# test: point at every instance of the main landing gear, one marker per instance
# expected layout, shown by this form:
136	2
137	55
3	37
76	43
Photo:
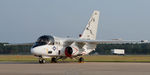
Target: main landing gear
53	60
81	60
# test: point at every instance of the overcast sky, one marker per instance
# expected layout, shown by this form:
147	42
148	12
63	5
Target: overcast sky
23	21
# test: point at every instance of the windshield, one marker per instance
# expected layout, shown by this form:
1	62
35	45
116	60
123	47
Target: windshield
43	40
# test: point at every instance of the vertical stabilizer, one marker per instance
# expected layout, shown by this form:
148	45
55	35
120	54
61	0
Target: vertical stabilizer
90	31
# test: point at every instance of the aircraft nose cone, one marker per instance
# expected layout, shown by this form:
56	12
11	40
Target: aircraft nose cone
33	51
38	50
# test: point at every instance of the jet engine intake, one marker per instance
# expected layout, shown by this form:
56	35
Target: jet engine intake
68	51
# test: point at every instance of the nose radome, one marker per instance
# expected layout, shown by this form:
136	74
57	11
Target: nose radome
33	51
38	51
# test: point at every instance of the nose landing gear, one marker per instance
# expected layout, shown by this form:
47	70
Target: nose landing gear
42	61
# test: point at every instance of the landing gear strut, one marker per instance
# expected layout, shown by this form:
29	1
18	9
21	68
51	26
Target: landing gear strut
53	60
42	61
81	60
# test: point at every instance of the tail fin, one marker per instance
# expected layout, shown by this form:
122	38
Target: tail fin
90	31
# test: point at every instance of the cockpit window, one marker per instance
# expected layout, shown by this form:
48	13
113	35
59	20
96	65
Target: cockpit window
43	40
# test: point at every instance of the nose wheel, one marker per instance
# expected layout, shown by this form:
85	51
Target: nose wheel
42	61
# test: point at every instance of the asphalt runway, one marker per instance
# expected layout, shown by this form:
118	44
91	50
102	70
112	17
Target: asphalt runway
87	68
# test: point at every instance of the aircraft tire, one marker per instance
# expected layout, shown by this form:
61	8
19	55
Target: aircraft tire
42	61
81	60
53	60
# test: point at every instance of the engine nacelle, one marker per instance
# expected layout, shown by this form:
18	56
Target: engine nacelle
71	51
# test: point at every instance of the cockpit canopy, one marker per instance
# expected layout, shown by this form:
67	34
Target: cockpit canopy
43	40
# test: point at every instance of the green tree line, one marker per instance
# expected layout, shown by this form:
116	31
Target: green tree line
14	49
143	48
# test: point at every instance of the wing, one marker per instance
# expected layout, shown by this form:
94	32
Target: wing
20	44
83	42
118	41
